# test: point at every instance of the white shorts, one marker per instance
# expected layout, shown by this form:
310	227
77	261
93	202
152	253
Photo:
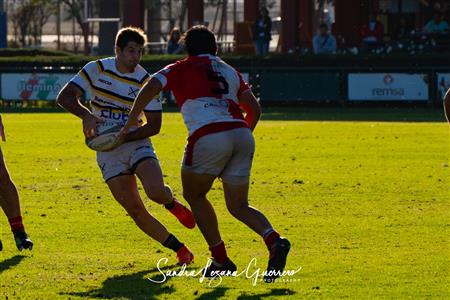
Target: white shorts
124	159
226	154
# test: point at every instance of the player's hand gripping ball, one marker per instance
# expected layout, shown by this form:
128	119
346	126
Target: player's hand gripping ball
106	138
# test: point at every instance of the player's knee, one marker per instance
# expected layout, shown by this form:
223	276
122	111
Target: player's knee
187	196
159	195
237	209
193	197
234	211
136	211
168	191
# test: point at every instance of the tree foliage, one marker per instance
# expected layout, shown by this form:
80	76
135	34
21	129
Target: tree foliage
28	17
75	10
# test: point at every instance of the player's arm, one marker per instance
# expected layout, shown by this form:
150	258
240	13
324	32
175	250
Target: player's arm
148	92
249	103
2	130
69	99
151	128
447	105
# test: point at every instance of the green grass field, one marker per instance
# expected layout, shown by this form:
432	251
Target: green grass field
364	200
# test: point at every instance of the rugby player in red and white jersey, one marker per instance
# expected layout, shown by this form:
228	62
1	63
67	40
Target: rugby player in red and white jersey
111	81
210	95
9	202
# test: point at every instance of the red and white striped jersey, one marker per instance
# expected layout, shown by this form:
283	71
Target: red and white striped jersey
206	90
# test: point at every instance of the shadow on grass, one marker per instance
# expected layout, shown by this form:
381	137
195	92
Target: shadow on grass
368	111
271	293
11	262
216	293
131	286
381	114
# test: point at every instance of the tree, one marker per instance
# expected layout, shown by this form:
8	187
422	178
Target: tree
42	10
21	14
172	11
76	11
28	17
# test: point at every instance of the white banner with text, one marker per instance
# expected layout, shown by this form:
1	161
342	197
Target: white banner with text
32	86
387	87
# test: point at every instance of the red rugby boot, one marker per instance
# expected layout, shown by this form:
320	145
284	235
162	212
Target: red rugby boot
184	256
183	214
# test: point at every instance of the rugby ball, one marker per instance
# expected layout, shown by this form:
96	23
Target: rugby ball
107	133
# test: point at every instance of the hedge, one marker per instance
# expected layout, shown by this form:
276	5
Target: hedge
37	58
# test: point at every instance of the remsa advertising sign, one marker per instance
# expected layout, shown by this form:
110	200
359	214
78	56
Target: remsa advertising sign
32	86
387	87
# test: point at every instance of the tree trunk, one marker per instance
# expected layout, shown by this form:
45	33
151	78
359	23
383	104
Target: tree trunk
85	30
182	15
58	26
154	23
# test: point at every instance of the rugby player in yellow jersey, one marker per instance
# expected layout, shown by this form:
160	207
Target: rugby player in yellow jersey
9	202
113	83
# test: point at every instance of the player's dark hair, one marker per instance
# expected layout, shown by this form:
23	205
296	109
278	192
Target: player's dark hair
200	40
130	34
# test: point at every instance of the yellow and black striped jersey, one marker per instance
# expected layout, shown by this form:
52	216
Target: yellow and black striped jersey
112	92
